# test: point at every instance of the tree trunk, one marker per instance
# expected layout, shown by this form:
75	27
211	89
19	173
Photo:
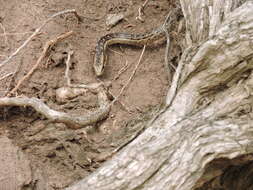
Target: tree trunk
205	134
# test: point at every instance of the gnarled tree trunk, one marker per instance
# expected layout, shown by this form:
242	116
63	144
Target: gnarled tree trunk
206	132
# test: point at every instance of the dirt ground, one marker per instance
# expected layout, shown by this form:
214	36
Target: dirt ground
55	155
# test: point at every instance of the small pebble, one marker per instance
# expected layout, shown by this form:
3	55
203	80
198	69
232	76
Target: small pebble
113	19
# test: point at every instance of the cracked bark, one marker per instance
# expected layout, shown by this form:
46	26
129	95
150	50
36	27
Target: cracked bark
206	133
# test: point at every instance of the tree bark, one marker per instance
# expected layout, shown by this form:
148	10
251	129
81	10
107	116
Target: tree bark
207	126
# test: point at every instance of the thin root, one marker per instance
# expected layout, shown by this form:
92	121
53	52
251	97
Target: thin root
46	48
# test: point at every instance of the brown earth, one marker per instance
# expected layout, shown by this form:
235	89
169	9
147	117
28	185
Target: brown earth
58	155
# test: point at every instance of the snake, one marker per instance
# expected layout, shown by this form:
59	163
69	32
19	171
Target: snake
104	42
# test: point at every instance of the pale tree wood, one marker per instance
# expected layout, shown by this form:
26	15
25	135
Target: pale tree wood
210	116
203	17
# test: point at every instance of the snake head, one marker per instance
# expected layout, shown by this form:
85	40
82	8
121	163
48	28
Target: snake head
99	60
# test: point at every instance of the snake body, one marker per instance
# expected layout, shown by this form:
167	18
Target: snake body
100	57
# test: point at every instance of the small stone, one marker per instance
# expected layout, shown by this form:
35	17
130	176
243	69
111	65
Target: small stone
113	19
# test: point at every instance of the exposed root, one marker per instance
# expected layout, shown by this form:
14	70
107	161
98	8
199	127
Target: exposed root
71	120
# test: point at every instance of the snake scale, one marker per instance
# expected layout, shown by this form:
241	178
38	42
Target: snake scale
148	38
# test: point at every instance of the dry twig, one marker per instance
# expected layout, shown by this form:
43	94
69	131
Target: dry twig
37	32
12	79
70	53
120	102
46	48
176	77
4	33
14	33
7	75
131	77
122	70
141	11
167	49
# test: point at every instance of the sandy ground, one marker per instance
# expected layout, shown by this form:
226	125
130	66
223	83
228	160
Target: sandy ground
55	155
